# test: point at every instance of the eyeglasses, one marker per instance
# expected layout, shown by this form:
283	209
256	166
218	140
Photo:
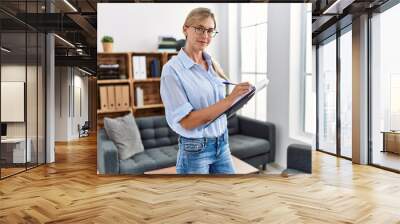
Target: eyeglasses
200	30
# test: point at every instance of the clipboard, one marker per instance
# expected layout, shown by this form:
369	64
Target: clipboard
241	101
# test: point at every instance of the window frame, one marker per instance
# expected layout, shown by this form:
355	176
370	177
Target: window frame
256	74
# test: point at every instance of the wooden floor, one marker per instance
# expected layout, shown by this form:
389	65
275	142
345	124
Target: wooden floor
386	159
69	191
5	172
10	171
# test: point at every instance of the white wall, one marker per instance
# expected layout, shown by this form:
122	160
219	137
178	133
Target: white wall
284	69
299	45
80	84
233	49
61	103
67	80
136	27
14	72
17	73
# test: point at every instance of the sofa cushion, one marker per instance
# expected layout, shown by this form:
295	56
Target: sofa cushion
243	146
233	125
150	159
155	132
125	135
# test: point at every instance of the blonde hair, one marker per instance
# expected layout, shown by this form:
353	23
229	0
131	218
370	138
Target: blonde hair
199	14
218	69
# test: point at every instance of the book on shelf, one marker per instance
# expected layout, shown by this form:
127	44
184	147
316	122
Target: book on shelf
109	71
167	50
139	67
167	44
139	97
166	38
155	68
108	66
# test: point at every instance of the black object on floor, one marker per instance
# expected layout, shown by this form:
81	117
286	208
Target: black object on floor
84	130
299	158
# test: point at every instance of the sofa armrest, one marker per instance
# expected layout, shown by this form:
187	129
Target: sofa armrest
107	156
259	129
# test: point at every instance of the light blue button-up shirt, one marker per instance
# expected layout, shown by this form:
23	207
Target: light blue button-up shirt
187	86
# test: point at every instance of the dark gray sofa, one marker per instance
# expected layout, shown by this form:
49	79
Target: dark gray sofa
250	140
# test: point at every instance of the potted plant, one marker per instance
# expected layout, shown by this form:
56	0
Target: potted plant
107	43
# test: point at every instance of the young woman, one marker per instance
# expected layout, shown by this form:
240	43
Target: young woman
193	94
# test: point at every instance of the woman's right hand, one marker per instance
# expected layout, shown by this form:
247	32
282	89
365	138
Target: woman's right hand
239	90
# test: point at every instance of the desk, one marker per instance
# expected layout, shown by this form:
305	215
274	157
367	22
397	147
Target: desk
391	141
13	150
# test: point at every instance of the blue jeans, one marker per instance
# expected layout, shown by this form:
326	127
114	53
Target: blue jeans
204	156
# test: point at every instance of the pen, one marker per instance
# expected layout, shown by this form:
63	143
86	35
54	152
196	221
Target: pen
228	83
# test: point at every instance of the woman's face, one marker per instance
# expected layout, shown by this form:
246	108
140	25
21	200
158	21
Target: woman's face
199	40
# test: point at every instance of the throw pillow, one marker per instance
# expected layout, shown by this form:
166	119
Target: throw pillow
125	134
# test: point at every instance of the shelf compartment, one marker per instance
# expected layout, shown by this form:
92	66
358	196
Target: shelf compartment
113	81
146	80
113	111
150	106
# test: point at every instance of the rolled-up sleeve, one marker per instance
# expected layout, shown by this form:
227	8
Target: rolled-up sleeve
175	101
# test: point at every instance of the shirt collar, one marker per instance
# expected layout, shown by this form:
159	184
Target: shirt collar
188	62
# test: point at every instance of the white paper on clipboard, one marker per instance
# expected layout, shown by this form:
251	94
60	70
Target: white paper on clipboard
241	101
259	86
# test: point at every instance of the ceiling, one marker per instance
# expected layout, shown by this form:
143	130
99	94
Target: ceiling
332	15
76	22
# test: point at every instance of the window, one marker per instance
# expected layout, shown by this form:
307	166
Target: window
327	96
385	85
22	67
309	83
394	102
334	106
310	104
253	33
346	93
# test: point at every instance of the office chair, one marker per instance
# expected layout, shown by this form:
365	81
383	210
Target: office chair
84	130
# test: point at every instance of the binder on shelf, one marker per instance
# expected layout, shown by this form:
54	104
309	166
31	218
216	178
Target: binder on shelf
118	97
111	97
139	97
125	96
143	67
135	65
103	98
139	67
121	97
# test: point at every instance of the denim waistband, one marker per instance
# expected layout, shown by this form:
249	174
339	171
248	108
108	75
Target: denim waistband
217	139
222	137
